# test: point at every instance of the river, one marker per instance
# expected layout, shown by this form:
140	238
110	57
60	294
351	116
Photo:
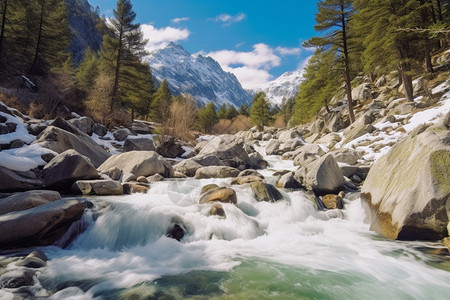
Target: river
282	250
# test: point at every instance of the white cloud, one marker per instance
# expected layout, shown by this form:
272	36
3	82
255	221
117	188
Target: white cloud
261	57
288	51
250	78
229	19
179	20
160	37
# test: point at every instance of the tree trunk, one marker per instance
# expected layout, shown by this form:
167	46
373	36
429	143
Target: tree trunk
426	49
425	40
2	32
439	10
348	86
117	71
38	43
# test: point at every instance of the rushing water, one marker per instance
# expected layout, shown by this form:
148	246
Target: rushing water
282	250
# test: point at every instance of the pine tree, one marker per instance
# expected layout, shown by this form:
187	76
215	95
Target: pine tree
4	11
222	112
231	112
87	71
333	18
244	110
162	99
122	48
207	117
388	42
321	82
52	36
260	111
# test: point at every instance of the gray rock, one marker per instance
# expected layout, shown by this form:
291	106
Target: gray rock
39	226
407	191
27	200
208	160
11	181
59	140
97	187
187	167
265	192
83	123
362	92
216	172
155	178
228	150
99	129
66	168
139	163
288	181
288	135
323	176
405	108
138	144
16	278
273	147
346	155
121	134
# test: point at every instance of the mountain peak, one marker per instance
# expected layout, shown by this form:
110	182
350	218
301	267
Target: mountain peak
285	86
202	77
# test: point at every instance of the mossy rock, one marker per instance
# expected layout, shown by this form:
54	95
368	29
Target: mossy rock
407	191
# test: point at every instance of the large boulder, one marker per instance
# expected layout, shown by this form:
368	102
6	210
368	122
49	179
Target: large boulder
83	123
12	181
138	144
216	172
406	193
27	200
39	226
66	168
170	147
323	176
228	150
60	140
139	163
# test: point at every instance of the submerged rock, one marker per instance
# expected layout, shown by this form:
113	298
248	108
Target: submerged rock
220	194
407	191
176	232
265	192
217	210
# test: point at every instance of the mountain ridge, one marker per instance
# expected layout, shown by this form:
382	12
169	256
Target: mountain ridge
197	75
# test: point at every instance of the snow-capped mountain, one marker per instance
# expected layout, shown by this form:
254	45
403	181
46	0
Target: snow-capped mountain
202	77
285	86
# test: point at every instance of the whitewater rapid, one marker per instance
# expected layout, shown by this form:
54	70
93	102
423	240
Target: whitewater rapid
285	250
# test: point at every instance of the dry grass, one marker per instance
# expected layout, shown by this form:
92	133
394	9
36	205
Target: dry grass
181	120
239	123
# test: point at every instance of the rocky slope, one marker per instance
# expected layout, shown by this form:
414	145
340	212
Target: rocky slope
82	23
199	76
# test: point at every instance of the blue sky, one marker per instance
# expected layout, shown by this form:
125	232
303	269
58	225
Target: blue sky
256	40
